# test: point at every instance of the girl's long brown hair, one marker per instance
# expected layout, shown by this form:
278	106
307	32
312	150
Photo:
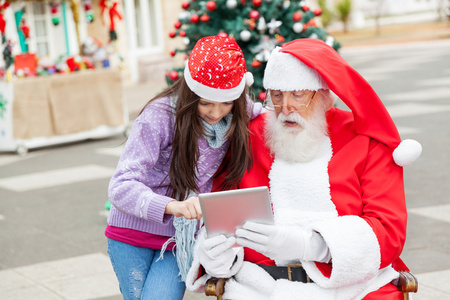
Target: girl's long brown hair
189	128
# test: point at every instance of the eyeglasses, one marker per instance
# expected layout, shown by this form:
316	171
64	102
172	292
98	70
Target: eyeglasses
299	99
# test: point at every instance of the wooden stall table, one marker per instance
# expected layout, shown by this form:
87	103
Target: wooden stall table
61	108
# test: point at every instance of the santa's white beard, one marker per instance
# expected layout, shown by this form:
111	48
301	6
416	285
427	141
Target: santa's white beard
296	144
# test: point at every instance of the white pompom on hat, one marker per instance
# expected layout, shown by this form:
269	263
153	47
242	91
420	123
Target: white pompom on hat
216	69
311	64
407	152
285	72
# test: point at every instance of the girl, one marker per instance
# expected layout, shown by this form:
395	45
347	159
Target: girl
176	145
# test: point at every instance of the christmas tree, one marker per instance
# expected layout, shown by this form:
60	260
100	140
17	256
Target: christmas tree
258	26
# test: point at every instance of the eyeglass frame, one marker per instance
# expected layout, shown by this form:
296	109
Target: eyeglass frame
290	108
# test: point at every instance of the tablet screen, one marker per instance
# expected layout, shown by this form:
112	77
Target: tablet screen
225	211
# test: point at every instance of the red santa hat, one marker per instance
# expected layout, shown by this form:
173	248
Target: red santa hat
311	64
216	69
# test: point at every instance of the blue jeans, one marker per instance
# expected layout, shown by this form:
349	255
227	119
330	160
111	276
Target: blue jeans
141	276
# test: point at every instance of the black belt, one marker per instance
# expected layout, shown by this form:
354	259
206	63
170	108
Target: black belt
291	273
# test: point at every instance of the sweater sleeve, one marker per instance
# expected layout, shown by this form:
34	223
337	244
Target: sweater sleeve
254	109
139	168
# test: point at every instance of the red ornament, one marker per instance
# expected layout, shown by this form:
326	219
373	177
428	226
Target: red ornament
182	33
223	34
185	5
205	18
177	24
25	29
255	64
210	5
317	11
296	17
257	3
262	96
305	7
173	52
312	23
243	2
173	75
280	38
172	34
254	14
195	19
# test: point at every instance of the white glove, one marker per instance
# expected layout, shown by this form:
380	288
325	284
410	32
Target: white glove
283	242
217	256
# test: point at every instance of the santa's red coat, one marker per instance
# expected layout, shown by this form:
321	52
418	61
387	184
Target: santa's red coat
364	183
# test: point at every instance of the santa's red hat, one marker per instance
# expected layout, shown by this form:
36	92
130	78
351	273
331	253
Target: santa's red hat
311	64
216	69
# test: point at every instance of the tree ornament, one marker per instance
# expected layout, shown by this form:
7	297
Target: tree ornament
245	35
186	41
111	6
172	34
205	18
222	34
195	18
25	29
251	23
173	52
296	17
54	7
305	7
280	38
273	26
329	41
182	33
263	56
257	3
185	4
177	24
317	11
7	54
88	11
297	27
262	26
231	4
255	64
210	5
173	75
183	16
254	14
262	96
312	23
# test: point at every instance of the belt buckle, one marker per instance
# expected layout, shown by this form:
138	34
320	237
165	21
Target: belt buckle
290	266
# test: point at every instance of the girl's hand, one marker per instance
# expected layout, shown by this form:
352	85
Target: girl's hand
190	208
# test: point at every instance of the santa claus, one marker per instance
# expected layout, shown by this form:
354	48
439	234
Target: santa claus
336	185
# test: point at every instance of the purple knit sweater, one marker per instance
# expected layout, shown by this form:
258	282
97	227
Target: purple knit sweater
137	189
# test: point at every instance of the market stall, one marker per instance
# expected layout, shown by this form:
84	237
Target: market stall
45	101
38	112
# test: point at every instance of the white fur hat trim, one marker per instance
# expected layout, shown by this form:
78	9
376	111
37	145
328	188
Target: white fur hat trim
287	73
214	94
407	152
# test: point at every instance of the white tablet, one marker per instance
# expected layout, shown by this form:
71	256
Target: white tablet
225	211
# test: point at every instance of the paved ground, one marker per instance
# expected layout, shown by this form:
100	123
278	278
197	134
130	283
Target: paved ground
51	201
